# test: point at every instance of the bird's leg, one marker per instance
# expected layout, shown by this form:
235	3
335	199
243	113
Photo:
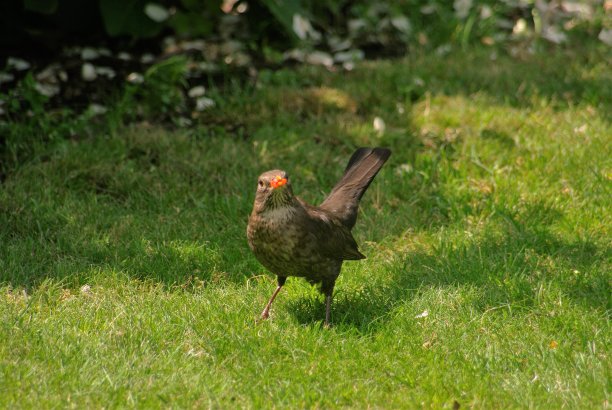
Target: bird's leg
328	299
266	312
328	289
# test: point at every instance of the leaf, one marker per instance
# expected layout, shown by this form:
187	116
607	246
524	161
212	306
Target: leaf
17	63
127	17
606	36
283	11
402	24
191	24
202	5
462	8
41	6
319	58
156	12
379	125
301	26
425	313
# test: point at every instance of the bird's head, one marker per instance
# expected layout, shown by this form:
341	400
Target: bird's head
273	190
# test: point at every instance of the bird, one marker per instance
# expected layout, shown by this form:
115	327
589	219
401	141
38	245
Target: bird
292	238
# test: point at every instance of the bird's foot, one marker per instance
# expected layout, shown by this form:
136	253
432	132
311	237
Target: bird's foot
264	315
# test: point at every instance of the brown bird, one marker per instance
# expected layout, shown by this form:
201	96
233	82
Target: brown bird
292	238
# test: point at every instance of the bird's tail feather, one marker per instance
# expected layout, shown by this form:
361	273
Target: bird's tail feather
343	201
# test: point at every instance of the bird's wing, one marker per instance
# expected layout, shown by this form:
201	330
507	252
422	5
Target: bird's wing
333	239
343	201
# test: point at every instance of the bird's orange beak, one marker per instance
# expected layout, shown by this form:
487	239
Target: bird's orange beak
278	182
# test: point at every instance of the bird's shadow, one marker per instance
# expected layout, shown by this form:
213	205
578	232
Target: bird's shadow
361	309
502	267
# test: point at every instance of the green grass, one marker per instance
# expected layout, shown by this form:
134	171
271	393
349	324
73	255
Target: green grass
493	215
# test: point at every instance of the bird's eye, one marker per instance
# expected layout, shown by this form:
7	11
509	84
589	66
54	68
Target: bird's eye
260	183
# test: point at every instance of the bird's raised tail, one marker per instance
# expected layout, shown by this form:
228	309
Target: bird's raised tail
343	201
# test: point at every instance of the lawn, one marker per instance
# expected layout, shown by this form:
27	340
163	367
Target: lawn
126	279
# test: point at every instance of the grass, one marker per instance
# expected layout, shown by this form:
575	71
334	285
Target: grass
126	280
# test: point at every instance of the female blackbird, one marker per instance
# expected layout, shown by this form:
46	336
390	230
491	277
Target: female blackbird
292	238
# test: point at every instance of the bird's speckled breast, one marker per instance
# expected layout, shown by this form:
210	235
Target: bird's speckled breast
283	249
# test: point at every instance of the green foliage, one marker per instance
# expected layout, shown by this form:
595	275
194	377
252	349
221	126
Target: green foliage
196	18
29	127
162	90
191	24
284	12
127	17
390	26
41	6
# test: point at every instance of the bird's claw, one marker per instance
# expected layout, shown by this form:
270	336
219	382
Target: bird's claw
264	315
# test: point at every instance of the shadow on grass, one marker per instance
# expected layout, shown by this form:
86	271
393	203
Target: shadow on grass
512	266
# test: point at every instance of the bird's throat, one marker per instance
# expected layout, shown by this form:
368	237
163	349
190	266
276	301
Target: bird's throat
280	197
